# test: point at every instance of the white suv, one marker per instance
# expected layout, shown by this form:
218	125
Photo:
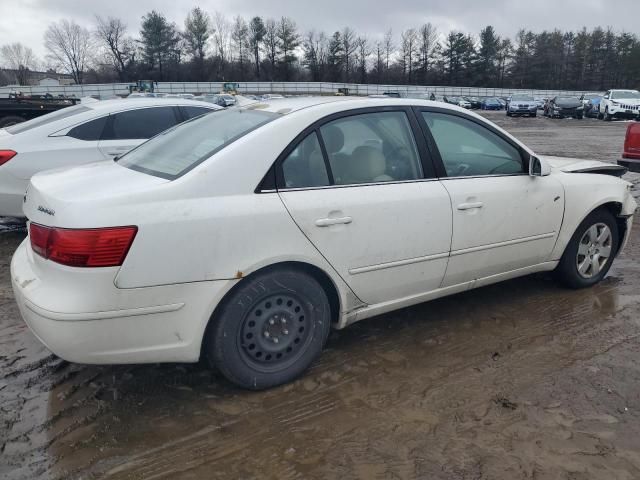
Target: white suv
620	104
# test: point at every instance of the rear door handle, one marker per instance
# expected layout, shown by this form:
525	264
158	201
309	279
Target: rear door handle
470	205
327	222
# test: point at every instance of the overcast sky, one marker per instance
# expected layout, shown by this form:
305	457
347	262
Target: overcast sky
26	20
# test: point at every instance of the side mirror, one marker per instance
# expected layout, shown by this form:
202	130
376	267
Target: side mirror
538	167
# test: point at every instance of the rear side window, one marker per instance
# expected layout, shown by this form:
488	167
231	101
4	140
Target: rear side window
48	118
191	112
371	148
142	123
304	166
90	131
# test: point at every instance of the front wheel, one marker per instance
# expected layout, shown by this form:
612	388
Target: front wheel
606	117
590	252
270	329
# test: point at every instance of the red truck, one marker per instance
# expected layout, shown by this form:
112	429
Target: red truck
631	153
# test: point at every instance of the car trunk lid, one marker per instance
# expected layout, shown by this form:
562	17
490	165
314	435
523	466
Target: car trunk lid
63	197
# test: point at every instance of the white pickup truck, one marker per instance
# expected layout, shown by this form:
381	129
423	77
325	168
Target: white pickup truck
620	104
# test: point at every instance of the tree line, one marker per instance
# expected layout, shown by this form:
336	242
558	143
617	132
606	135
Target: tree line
213	47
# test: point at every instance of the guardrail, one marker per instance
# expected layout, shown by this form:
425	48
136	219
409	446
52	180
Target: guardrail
288	88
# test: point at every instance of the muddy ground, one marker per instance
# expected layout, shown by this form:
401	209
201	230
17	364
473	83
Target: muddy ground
522	379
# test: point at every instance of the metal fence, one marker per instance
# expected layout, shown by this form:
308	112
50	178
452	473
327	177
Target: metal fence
287	88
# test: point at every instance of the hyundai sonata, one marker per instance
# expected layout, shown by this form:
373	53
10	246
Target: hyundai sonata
244	236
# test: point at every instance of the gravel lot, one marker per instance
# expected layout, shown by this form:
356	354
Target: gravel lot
522	379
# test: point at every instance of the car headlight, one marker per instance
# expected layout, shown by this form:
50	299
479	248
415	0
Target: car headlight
615	103
581	107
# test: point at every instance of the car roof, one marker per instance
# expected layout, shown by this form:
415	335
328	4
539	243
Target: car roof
140	102
340	103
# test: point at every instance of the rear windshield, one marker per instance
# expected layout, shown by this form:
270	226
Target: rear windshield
48	118
179	149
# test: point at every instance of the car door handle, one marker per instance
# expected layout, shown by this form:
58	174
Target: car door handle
327	222
470	205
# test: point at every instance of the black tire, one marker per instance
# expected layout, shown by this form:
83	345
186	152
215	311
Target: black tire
567	270
534	115
579	117
606	117
10	120
270	329
508	113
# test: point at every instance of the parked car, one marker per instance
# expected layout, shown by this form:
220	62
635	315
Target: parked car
564	106
272	96
82	134
491	103
520	104
540	102
592	108
245	235
503	101
620	104
631	152
459	101
474	102
586	97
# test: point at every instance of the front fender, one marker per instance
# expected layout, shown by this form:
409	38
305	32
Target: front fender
585	193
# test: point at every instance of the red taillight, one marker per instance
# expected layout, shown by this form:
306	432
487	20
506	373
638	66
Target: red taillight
94	247
6	155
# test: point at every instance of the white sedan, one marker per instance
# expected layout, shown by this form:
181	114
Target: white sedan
82	134
245	235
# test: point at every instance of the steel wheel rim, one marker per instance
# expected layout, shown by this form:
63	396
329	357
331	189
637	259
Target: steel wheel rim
275	332
594	250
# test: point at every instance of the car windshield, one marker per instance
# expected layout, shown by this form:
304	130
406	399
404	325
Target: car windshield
626	94
567	99
48	118
179	149
492	100
522	98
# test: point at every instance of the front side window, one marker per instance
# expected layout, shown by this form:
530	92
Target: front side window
371	148
180	149
468	149
142	123
304	166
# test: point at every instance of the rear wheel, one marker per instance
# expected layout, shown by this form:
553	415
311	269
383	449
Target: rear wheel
270	329
590	252
11	120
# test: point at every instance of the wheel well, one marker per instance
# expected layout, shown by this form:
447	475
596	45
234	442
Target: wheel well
615	208
318	274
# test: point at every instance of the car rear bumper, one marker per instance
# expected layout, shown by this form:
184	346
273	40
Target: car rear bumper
631	163
141	325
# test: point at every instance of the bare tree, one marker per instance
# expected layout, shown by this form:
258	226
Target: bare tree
363	51
70	46
348	49
271	44
19	58
388	48
428	38
222	40
120	49
240	38
409	44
